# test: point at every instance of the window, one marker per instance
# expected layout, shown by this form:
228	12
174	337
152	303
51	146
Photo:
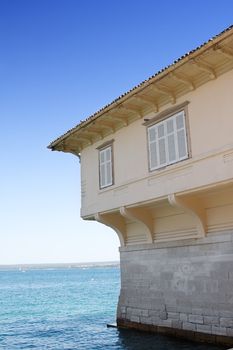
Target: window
105	167
167	141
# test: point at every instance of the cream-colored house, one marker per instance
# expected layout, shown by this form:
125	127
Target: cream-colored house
157	167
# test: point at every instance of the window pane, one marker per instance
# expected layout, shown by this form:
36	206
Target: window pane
102	176
108	173
102	156
162	152
108	154
161	130
153	156
181	138
180	121
105	167
171	148
152	134
170	127
167	141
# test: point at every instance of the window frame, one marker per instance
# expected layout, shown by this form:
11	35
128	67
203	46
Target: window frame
101	148
161	118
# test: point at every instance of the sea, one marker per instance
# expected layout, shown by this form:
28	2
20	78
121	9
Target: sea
69	307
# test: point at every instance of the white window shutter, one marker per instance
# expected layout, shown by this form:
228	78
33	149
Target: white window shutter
108	154
153	147
102	175
162	144
153	156
162	152
152	134
167	141
105	167
109	173
180	120
171	148
171	144
182	146
181	136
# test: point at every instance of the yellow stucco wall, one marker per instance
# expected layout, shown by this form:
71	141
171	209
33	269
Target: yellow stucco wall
210	115
204	181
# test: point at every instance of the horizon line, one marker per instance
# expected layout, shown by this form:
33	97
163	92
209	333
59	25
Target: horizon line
65	264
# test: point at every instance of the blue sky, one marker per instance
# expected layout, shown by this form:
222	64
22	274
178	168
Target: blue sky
60	61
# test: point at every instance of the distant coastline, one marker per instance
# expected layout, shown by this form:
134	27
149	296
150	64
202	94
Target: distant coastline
60	265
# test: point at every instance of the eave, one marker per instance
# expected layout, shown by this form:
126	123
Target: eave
189	72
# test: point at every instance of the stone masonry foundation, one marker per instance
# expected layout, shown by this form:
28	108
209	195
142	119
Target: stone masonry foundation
183	288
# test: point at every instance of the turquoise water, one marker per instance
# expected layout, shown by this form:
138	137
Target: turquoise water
69	309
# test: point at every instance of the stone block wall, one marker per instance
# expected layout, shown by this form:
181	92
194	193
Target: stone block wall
182	286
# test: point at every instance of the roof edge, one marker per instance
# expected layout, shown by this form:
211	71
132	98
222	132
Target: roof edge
156	77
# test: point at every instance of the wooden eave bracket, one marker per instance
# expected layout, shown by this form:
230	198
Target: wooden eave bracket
226	51
183	80
148	101
70	147
205	68
83	137
193	207
106	125
119	118
132	109
141	216
165	91
116	222
95	131
68	150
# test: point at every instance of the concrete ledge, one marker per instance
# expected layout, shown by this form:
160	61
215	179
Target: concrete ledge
111	325
179	333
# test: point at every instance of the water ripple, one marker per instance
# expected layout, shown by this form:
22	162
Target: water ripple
68	309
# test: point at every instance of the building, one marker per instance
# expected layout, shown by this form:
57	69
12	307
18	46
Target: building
157	167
